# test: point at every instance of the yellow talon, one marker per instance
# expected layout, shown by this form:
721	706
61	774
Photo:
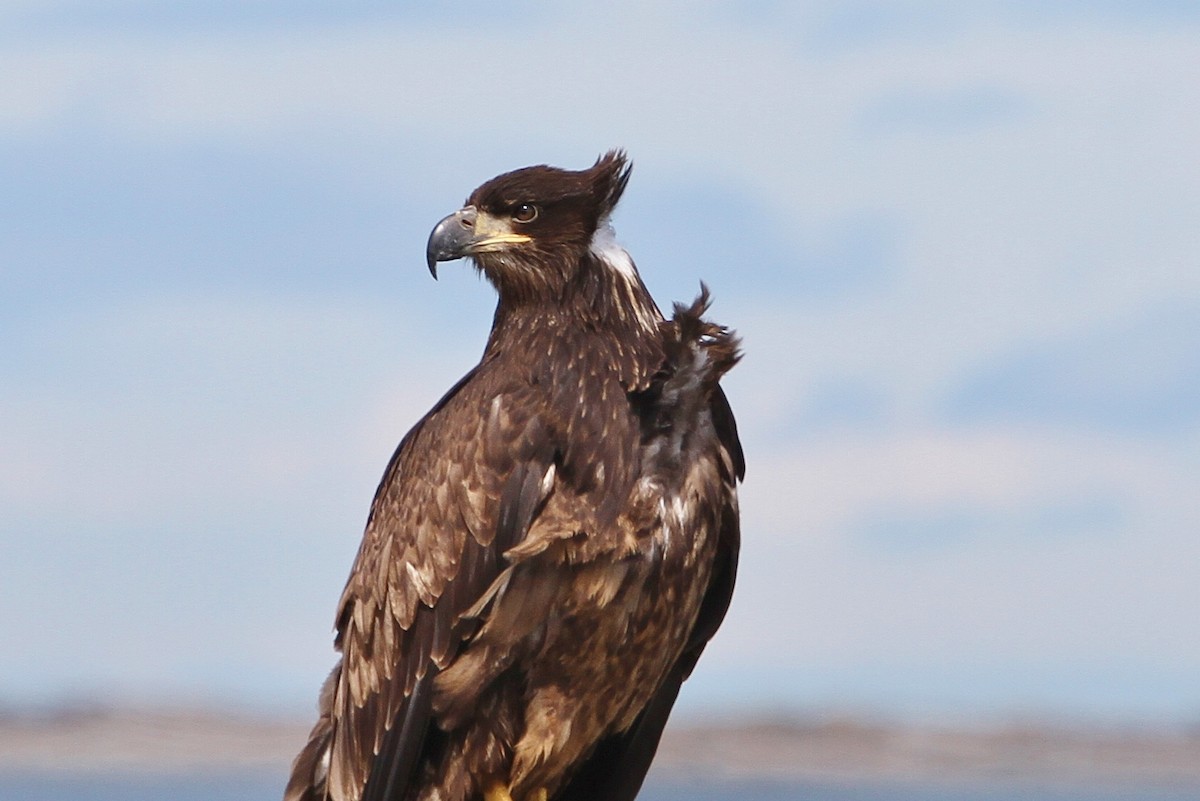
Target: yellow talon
497	791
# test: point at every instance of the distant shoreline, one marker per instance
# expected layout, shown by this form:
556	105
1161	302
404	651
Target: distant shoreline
180	741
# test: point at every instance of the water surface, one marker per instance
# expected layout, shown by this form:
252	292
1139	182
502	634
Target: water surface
269	786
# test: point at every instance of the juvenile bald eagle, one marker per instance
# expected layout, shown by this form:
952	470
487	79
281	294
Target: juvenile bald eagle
553	545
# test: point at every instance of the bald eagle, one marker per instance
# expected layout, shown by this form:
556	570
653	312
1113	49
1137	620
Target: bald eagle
554	543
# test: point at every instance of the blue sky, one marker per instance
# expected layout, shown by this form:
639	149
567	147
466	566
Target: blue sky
959	240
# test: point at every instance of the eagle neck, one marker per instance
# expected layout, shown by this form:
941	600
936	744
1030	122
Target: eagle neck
603	315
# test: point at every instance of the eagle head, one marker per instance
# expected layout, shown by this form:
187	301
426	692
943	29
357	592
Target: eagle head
529	230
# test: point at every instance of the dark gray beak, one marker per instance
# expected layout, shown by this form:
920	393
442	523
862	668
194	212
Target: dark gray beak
451	238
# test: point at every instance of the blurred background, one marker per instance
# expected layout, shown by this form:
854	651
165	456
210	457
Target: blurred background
960	241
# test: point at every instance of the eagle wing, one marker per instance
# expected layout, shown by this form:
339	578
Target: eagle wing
618	765
427	556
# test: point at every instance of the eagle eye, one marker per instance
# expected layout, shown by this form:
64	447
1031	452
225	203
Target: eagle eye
525	212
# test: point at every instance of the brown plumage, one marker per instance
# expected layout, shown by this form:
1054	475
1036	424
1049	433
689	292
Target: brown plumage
553	545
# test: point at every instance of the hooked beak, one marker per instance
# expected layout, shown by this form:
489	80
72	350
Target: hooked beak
467	232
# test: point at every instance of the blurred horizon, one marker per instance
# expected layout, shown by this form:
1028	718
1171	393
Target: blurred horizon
959	241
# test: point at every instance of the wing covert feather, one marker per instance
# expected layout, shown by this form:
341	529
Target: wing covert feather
439	525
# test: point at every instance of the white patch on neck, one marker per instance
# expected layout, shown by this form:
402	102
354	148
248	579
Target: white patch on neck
606	248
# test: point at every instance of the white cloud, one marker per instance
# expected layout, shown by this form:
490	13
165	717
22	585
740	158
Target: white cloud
825	603
196	400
